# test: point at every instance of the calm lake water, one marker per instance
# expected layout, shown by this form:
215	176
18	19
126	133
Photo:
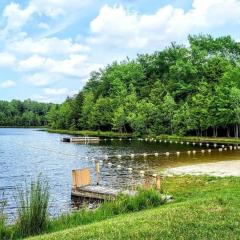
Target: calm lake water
25	153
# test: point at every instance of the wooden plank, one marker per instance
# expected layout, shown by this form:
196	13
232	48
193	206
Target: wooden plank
81	177
99	192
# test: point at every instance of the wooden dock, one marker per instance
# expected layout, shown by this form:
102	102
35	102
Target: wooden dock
96	192
82	140
83	189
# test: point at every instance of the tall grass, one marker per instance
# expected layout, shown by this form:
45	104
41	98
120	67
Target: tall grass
32	208
144	199
3	228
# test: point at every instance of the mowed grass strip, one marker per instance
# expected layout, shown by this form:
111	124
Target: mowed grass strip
204	208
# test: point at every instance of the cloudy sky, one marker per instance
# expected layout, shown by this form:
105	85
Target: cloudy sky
49	47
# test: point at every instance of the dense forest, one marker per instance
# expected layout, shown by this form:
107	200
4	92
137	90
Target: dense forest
26	113
192	89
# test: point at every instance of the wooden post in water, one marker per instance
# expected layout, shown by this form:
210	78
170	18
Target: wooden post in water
97	172
158	182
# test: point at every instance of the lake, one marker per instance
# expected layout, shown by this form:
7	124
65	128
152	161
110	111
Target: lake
26	153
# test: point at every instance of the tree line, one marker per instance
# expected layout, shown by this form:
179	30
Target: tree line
23	113
192	89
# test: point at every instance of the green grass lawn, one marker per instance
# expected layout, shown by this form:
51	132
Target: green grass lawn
203	208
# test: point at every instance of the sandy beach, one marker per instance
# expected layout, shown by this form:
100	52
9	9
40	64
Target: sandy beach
219	169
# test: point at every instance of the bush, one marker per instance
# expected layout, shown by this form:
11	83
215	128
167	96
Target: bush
32	208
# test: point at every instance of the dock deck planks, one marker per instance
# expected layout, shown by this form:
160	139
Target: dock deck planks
98	192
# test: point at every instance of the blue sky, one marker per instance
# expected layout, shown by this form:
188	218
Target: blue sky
49	47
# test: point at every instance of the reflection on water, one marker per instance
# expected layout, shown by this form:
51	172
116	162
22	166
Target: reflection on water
24	153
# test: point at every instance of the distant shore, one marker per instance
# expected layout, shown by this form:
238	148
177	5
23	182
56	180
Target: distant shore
167	137
22	126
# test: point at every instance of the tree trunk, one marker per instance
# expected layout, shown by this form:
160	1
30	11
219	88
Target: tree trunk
228	132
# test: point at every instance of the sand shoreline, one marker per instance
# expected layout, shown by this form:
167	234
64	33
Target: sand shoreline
218	169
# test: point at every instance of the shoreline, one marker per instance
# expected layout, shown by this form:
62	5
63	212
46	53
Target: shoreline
91	133
226	168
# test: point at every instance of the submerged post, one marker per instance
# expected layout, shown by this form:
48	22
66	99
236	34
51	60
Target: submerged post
158	182
97	172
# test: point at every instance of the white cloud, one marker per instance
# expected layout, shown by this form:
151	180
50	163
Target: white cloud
46	46
120	27
17	17
42	79
43	25
32	63
54	8
56	91
7	84
7	59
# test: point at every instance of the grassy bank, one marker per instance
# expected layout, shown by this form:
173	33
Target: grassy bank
32	217
202	139
108	134
203	208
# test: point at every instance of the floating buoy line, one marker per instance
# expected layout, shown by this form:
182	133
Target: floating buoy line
107	158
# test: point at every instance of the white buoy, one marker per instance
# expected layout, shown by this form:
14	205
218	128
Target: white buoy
120	139
111	139
178	153
105	139
220	149
156	154
222	146
234	147
215	145
202	151
187	143
132	155
189	152
181	142
170	141
230	147
160	140
118	166
130	139
194	152
207	144
225	149
167	153
194	144
155	140
145	139
209	150
200	144
165	141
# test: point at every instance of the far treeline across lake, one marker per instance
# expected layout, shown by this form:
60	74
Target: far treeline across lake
182	90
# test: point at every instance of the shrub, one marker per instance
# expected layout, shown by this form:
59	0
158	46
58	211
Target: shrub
32	208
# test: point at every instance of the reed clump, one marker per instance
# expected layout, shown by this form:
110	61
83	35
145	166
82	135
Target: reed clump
32	208
4	234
